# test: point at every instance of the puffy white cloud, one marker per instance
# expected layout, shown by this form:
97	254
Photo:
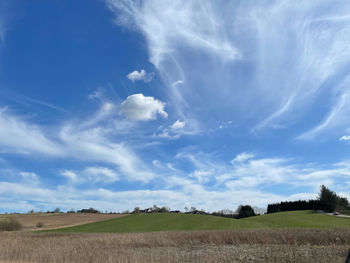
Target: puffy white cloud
141	108
140	75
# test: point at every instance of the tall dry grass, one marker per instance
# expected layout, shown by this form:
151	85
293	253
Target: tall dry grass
211	246
9	224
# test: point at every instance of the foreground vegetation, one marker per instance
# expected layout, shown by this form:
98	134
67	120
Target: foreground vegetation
9	224
181	222
271	245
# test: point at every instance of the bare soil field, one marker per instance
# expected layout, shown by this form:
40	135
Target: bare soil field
278	245
57	220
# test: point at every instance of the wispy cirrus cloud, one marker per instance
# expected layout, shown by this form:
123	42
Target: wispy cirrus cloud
250	172
83	141
192	21
19	136
91	175
228	185
292	57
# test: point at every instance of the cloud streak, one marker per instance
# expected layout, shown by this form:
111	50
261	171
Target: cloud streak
291	56
84	141
246	181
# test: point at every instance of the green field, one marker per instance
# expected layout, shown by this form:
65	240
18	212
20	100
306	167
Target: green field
178	222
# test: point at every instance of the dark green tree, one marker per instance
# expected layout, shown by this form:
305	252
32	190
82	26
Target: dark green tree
245	211
328	199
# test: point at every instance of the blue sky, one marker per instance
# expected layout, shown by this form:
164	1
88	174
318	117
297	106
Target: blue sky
115	104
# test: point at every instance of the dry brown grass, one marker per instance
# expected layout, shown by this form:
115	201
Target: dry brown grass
57	220
210	246
9	224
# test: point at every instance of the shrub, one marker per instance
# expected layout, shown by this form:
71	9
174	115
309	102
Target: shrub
9	224
40	224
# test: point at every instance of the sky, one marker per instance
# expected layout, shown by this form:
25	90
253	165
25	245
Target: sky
114	104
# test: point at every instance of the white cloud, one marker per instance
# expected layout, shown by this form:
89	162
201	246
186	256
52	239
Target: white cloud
93	145
92	174
252	173
141	108
177	129
30	177
336	118
103	199
242	157
345	138
97	94
83	140
16	135
314	50
177	83
243	183
178	125
168	24
107	106
72	176
103	174
140	75
201	176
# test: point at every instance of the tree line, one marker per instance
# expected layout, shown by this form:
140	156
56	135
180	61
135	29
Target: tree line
327	200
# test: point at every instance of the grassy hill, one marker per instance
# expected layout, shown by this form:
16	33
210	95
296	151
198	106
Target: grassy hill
178	222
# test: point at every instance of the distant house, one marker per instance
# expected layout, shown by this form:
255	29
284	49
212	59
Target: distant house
148	210
90	210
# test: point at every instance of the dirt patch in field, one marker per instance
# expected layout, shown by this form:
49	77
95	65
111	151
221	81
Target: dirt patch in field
58	220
